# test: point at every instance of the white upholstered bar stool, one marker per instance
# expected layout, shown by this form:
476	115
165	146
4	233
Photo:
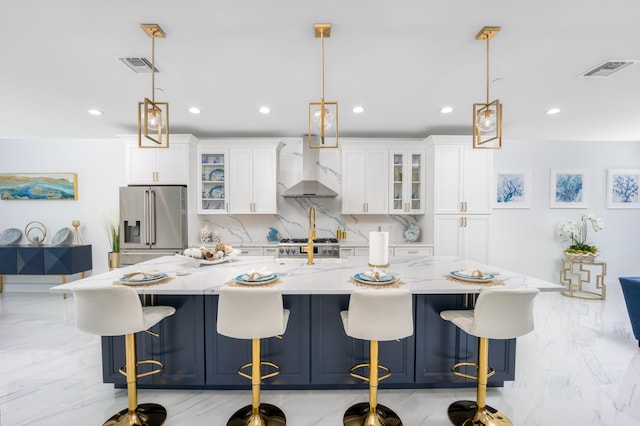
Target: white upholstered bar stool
499	313
253	313
116	311
376	315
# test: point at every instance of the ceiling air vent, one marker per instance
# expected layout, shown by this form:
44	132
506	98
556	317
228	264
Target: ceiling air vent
138	65
608	68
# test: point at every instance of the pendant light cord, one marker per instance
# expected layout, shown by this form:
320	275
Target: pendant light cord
153	68
487	70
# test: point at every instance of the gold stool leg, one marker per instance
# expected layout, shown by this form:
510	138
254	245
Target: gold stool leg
371	413
257	414
478	413
134	414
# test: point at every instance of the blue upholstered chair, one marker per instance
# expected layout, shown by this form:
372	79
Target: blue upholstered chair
631	290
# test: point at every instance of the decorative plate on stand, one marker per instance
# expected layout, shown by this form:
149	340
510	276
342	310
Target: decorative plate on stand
411	232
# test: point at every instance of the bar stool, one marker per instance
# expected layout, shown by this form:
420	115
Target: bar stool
499	313
376	315
116	311
253	313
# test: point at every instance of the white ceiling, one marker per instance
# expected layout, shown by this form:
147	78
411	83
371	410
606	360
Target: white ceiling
402	60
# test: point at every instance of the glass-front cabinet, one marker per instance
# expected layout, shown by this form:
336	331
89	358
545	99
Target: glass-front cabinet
212	182
407	185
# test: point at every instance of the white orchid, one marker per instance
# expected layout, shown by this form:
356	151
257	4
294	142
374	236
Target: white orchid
576	231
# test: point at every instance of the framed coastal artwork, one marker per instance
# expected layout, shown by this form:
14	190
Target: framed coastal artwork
622	188
512	189
38	186
567	189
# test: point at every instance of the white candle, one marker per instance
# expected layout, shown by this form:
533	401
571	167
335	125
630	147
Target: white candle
379	249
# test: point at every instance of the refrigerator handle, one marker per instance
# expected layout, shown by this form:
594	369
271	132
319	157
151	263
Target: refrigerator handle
147	230
152	218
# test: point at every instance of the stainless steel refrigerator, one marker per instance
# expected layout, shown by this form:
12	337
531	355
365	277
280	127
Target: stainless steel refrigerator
153	222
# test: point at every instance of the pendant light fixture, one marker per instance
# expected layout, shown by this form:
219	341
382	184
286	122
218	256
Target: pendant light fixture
153	117
323	116
487	117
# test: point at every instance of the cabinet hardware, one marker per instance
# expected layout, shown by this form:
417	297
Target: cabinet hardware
412	251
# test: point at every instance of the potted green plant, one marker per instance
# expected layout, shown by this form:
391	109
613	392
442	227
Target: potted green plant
576	231
114	240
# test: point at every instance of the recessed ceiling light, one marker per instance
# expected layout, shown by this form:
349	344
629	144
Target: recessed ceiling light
358	109
552	111
265	110
446	110
95	112
194	110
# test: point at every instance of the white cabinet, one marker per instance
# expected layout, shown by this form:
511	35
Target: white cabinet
347	252
413	250
365	181
407	182
465	236
237	177
252	180
166	166
270	251
461	176
460	198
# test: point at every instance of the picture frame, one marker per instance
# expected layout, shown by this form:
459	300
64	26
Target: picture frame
567	188
512	189
38	186
622	188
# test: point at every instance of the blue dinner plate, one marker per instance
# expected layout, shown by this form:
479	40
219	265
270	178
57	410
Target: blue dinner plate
465	277
368	280
262	280
144	280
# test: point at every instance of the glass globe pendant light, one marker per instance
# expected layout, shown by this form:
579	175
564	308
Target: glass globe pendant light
487	116
486	120
153	117
323	116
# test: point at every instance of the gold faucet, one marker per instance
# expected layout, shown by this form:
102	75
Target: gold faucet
312	235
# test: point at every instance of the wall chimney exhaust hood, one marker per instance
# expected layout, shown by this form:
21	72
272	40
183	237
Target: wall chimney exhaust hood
309	186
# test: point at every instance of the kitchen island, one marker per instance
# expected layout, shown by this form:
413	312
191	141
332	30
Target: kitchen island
314	353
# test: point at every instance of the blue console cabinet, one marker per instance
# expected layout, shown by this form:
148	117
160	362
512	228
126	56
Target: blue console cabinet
44	260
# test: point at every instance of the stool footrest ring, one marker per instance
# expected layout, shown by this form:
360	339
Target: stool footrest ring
266	376
365	378
455	367
123	370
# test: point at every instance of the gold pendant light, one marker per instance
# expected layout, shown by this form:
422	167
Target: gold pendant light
153	117
323	116
487	117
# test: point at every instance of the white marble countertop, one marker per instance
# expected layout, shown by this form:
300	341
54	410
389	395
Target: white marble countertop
420	274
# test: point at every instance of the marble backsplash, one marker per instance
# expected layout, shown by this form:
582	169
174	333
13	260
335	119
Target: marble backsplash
292	221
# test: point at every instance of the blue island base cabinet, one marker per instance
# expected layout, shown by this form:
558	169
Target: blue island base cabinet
179	347
314	352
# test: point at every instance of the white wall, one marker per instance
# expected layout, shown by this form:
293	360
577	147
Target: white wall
523	240
100	167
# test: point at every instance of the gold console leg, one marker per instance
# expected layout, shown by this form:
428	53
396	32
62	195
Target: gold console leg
134	414
478	413
371	413
257	414
1	277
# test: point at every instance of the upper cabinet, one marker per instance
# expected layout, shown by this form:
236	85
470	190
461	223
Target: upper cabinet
159	166
365	181
383	176
461	176
237	177
212	181
407	182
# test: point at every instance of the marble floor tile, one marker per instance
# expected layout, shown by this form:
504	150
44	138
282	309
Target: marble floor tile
581	366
